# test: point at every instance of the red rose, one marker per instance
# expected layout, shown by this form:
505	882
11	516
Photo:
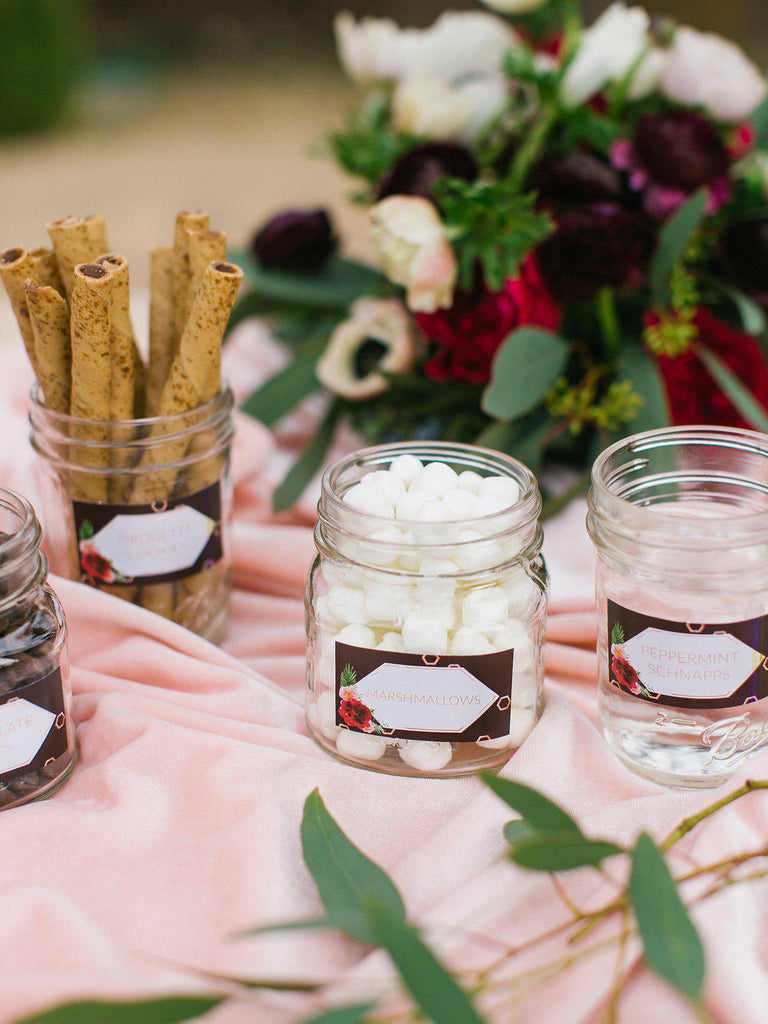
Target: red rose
625	675
693	396
355	714
468	335
94	565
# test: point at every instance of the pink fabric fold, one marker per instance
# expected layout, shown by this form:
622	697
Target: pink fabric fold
179	827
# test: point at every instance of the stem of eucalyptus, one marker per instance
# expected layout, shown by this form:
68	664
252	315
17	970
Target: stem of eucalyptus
687	824
531	146
609	322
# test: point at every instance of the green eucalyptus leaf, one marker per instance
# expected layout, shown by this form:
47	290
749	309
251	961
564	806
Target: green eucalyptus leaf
308	463
759	118
671	944
525	368
166	1010
346	879
336	286
538	811
673	238
639	367
285	389
741	397
751	313
557	851
433	988
353	1014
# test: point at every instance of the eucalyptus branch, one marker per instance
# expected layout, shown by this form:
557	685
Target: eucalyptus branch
691	822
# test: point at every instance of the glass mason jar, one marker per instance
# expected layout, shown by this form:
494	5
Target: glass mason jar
679	520
426	615
142	508
38	749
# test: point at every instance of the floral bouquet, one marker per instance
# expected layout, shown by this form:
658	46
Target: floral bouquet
572	229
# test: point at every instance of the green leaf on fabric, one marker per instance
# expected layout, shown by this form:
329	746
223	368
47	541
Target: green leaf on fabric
353	1014
165	1010
336	286
673	238
741	397
309	462
639	367
535	808
433	988
671	944
525	368
555	851
346	879
284	390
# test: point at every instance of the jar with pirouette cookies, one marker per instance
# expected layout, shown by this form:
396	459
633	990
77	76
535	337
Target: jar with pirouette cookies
426	609
38	748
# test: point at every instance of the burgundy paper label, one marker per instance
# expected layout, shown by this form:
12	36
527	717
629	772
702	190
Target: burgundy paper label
424	697
33	726
157	543
687	664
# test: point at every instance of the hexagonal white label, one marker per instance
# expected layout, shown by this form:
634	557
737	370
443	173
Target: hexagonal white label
421	698
154	543
693	665
23	728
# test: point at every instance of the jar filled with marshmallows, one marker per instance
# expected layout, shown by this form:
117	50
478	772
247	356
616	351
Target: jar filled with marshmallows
426	609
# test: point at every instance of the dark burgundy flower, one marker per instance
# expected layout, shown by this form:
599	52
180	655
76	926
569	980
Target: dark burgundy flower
597	246
744	254
94	565
295	240
356	714
681	149
692	393
626	677
416	172
467	336
579	176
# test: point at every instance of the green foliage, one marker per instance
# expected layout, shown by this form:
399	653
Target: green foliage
167	1010
491	225
671	944
617	634
369	146
674	236
348	676
308	463
526	366
741	397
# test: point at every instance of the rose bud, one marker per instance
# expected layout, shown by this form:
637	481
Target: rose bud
681	149
744	254
415	173
295	240
595	247
576	177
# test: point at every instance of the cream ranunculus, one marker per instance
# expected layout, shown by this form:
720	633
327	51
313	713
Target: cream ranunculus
458	44
383	323
705	70
607	51
415	251
442	110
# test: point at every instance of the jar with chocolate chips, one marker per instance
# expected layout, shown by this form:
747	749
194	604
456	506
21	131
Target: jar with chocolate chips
37	732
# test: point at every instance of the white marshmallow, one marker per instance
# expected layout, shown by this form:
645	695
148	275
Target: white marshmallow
425	755
431	525
471	556
370	499
503	488
391	642
381	546
410	554
485	609
406	468
409	504
435	478
321	713
424	632
388	603
437	586
470	481
345	604
469	641
360	744
515	636
392	486
357	635
325	671
335	572
523	721
524	689
459	504
522	593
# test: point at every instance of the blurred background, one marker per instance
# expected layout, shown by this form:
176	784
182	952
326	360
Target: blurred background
137	109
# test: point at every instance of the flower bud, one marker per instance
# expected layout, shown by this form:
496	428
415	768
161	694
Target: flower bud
295	240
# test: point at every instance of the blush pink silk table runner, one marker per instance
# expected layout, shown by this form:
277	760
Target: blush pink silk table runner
180	825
